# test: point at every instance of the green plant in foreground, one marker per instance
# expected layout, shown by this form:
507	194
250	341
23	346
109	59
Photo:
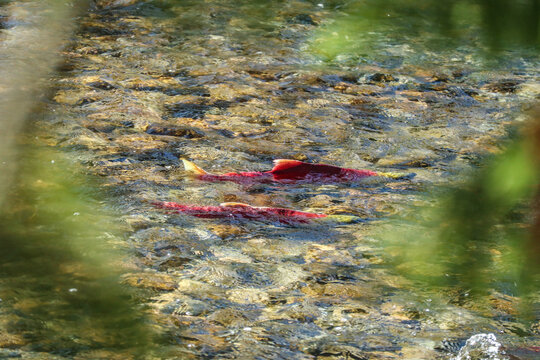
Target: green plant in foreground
481	235
60	263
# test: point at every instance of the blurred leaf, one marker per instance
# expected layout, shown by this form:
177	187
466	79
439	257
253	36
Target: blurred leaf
60	263
359	27
476	237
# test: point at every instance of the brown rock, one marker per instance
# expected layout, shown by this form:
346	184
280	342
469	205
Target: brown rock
151	281
248	296
178	131
11	340
228	317
504	86
227	231
380	77
97	82
109	4
334	289
199	288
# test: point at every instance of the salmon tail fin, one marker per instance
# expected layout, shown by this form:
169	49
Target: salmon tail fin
158	204
193	169
166	205
284	164
396	175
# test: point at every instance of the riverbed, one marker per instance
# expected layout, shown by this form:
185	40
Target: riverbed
233	85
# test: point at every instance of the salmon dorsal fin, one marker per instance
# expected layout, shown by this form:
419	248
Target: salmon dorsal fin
192	168
284	164
235	204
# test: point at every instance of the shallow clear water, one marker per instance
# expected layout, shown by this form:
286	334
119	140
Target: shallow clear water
233	85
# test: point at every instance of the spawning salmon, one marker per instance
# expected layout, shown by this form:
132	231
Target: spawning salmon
292	171
239	211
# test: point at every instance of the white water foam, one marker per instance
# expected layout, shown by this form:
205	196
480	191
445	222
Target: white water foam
481	347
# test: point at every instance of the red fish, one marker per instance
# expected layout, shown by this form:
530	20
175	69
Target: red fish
292	171
239	211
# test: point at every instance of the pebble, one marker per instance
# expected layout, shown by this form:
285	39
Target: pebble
178	131
248	296
152	281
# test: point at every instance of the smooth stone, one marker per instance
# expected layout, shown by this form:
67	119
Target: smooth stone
199	288
248	296
152	281
229	317
178	131
109	4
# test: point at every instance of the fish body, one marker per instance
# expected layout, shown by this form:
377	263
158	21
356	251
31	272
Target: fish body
291	171
294	170
242	177
238	211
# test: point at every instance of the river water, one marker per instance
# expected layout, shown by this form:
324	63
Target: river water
233	85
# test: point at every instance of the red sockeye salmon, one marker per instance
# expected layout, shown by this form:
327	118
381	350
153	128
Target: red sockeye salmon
293	171
239	211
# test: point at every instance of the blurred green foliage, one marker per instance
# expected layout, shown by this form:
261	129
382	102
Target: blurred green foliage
360	26
478	236
60	263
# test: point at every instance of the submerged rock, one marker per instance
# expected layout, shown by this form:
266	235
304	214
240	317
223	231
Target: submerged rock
109	4
381	77
152	281
248	296
305	19
229	317
178	131
504	86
